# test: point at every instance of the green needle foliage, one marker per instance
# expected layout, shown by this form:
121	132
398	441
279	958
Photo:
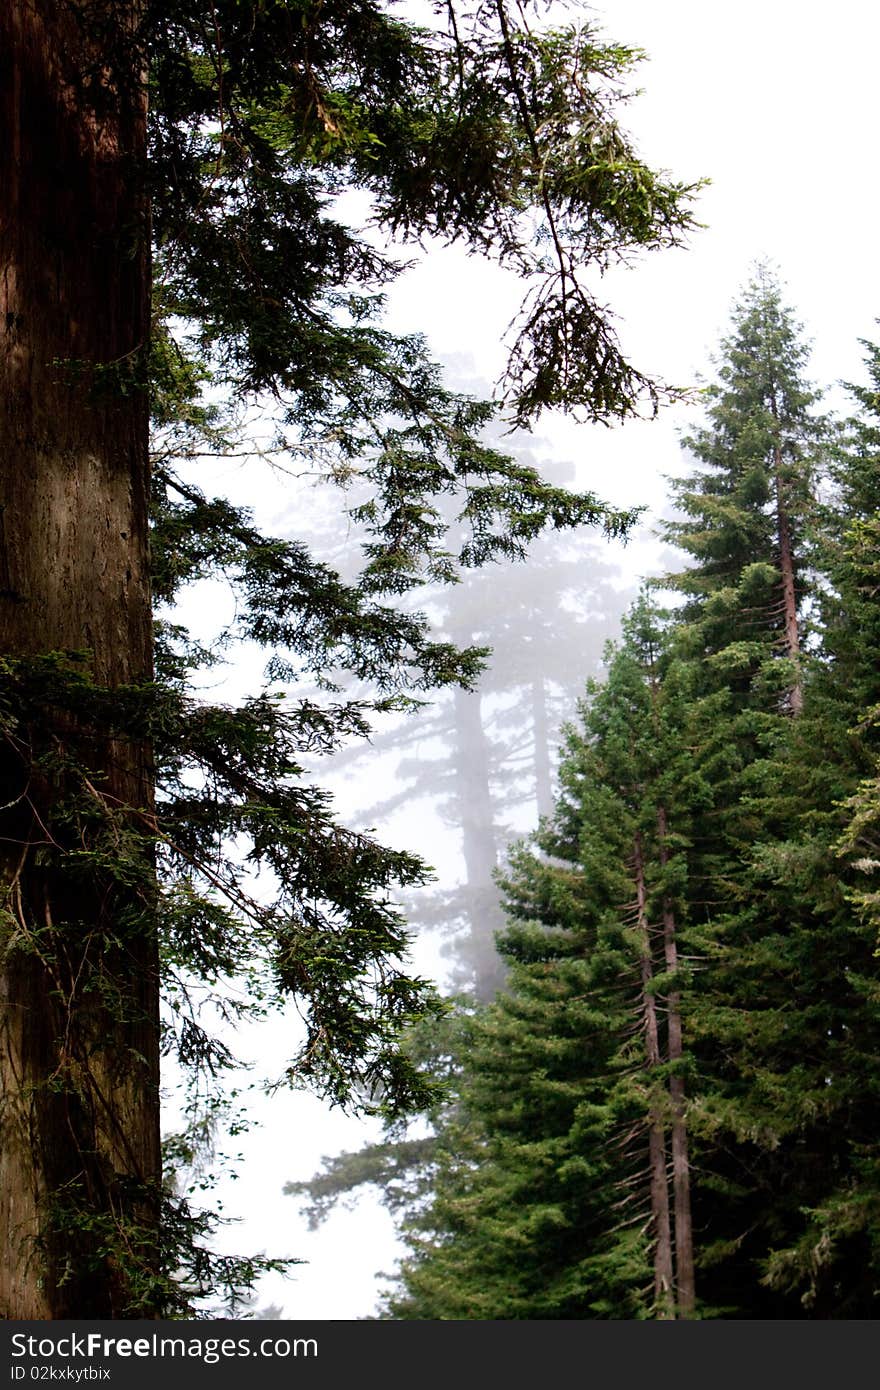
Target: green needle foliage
273	126
262	117
775	1012
542	1204
722	794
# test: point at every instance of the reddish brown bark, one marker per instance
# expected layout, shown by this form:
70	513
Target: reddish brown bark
79	1116
685	1291
663	1274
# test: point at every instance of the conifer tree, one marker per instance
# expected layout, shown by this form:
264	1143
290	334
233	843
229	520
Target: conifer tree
735	682
851	628
478	757
849	611
834	1262
551	624
556	1199
700	831
745	516
777	1025
220	140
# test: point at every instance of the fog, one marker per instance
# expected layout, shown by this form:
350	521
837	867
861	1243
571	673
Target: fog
772	102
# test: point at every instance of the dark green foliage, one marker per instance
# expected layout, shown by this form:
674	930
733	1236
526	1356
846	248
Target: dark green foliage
541	1207
783	1101
758	453
764	861
264	115
783	1028
464	129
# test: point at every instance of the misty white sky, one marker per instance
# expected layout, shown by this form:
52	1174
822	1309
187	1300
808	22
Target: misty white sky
774	101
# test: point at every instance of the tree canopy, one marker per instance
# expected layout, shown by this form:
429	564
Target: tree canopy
668	1111
262	117
229	145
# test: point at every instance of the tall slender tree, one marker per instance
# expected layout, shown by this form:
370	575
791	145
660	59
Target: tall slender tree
260	114
693	872
833	1256
745	516
559	1202
483	759
773	1012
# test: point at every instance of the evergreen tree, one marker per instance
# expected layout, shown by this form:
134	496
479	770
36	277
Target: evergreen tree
835	1261
744	523
476	758
849	611
745	516
548	625
776	1020
851	628
553	1186
693	874
228	135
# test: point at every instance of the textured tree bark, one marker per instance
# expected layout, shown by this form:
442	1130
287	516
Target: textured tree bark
786	568
79	987
685	1289
663	1275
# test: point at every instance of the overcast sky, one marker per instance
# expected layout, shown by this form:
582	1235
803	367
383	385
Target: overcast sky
774	101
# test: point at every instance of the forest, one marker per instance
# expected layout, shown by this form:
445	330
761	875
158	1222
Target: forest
652	1091
667	1110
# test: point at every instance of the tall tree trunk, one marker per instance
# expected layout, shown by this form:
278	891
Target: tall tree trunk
786	568
79	1127
541	736
476	818
681	1179
663	1276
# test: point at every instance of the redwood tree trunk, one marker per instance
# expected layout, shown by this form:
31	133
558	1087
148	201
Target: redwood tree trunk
663	1277
79	1134
681	1178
